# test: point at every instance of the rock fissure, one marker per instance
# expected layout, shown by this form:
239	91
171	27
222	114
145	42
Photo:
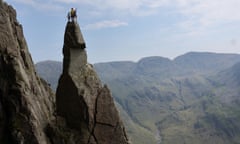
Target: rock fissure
106	124
94	122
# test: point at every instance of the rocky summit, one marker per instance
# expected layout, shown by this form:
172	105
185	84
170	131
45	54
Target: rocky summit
87	106
83	110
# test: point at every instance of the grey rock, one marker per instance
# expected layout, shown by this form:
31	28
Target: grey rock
86	105
86	113
26	101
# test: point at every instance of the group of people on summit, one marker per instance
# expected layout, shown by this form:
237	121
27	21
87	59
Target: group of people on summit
72	15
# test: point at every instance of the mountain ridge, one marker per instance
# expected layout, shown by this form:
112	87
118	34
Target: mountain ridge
131	66
183	106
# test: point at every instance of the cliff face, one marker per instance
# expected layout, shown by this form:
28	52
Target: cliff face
81	99
26	102
86	113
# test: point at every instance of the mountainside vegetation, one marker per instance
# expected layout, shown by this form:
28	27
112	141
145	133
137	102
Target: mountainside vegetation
192	99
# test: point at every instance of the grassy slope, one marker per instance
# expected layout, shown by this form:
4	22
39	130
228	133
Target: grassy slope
184	107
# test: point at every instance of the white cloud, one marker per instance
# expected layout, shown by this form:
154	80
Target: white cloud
196	12
208	10
199	16
67	1
133	7
106	24
41	5
211	11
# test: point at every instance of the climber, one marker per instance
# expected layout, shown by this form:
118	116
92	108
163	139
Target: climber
72	15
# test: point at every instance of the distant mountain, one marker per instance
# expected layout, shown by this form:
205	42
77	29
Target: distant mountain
50	71
230	75
161	68
228	84
206	62
192	99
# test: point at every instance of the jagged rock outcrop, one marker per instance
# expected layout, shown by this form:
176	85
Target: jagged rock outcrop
82	101
26	101
86	113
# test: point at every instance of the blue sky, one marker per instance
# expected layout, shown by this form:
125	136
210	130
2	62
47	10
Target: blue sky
116	30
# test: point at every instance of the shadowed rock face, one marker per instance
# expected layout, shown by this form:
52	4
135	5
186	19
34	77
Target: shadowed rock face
87	106
26	102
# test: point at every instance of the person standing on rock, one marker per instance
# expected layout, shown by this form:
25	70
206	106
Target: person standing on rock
72	15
